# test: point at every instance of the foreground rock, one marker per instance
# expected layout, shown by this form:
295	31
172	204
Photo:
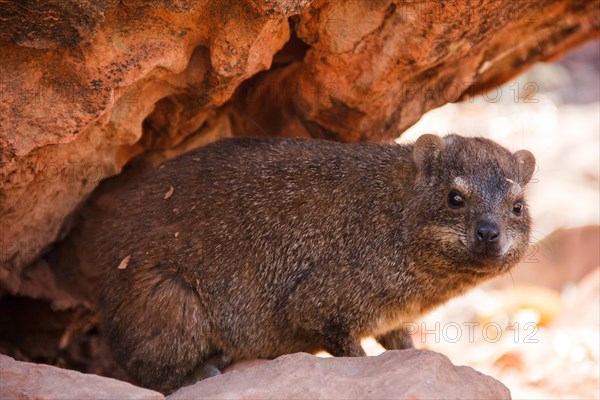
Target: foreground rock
20	380
407	374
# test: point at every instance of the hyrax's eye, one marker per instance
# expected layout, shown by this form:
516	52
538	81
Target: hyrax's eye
518	207
455	199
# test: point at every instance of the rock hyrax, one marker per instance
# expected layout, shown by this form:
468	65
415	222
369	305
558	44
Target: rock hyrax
254	248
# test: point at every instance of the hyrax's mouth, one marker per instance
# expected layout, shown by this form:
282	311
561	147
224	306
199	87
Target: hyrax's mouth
494	256
487	252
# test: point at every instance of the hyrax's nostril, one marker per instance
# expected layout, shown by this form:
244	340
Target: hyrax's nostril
488	232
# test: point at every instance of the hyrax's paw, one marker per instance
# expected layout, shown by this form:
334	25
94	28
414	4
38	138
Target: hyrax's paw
396	340
209	370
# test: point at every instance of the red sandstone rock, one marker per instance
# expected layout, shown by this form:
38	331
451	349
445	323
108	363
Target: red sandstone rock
72	115
375	67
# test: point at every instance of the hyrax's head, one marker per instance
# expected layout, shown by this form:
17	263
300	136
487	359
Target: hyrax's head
471	200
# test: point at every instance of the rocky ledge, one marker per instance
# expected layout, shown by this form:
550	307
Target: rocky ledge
407	374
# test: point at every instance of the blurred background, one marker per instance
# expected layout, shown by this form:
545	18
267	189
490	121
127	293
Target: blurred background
537	331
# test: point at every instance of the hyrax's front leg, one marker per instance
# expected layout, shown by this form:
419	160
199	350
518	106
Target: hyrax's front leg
340	342
397	339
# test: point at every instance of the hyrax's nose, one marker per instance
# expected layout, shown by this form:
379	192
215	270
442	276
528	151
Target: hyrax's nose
487	232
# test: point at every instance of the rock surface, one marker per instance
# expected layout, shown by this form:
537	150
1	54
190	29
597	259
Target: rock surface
407	374
20	380
73	100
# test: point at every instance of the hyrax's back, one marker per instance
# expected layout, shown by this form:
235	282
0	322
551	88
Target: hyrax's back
253	248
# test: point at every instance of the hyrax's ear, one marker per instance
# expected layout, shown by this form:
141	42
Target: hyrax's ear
526	163
427	148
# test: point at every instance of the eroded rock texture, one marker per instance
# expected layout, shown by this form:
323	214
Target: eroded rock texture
87	86
75	96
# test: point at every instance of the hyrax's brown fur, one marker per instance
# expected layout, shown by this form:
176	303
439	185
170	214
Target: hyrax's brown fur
271	246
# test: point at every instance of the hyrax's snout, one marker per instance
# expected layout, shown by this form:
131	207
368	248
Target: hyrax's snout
487	232
487	239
